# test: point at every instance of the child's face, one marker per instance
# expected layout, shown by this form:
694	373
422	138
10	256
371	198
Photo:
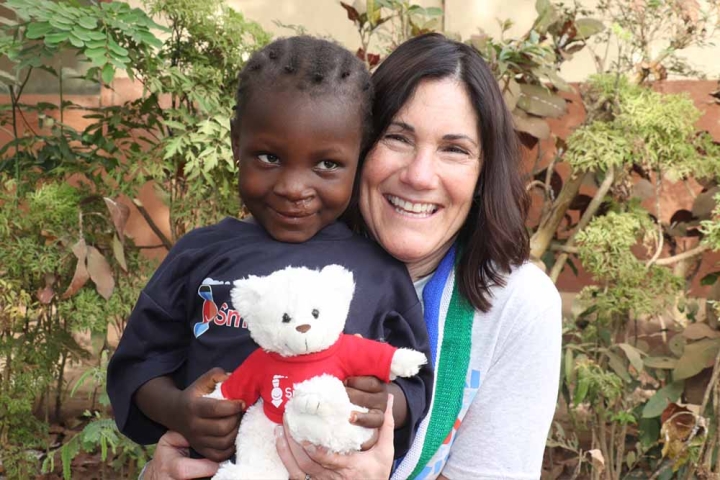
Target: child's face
298	157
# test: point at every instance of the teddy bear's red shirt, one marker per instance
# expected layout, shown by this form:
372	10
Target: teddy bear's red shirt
272	376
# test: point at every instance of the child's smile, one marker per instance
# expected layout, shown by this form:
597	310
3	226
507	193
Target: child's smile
298	157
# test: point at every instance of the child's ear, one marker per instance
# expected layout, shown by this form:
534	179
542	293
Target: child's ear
246	293
235	138
339	282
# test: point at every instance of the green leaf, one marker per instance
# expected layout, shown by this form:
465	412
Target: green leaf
82	34
710	279
100	36
657	403
696	357
634	355
76	42
108	73
115	48
175	125
587	27
37	30
55	38
61	23
667	363
87	22
581	390
618	366
540	101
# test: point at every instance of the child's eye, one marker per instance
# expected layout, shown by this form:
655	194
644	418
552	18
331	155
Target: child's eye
328	165
268	158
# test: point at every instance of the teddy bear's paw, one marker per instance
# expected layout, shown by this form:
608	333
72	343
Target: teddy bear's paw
311	404
406	363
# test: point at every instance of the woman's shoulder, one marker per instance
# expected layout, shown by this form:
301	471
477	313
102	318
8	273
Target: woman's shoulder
528	291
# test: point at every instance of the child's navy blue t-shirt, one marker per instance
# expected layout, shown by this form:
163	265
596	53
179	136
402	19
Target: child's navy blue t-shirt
184	323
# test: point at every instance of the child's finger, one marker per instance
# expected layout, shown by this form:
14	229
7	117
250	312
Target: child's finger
206	382
370	419
214	408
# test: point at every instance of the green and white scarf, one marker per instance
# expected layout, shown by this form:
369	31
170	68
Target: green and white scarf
449	319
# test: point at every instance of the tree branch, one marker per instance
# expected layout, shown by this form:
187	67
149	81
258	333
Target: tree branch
584	220
141	208
684	255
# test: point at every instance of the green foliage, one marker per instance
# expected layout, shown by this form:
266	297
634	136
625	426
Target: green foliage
711	228
69	268
644	127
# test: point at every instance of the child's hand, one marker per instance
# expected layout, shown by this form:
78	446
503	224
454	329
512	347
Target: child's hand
371	393
209	425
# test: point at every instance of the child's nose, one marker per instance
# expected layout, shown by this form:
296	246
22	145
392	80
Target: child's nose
293	187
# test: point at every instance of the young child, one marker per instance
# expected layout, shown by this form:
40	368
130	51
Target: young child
302	121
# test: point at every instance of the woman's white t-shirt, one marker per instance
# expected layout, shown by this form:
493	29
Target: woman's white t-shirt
516	349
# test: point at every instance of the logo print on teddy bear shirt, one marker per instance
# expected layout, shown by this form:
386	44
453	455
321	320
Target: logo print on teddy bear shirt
277	392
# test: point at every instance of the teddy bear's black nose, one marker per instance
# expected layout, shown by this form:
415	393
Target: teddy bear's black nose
302	328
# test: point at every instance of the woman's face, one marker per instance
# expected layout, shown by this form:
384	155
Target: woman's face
418	182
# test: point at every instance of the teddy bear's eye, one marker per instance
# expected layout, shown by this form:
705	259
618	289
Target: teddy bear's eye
315	313
286	318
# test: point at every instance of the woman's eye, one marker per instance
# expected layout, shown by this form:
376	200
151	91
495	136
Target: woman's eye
453	149
396	137
268	158
328	165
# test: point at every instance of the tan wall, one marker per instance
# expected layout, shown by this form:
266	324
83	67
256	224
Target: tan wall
464	17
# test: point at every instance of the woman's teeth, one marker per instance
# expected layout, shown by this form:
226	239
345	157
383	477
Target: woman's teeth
410	209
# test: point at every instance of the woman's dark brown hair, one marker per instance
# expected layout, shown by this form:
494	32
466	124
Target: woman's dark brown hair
493	239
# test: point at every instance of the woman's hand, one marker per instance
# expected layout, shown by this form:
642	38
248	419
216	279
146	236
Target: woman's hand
171	461
313	462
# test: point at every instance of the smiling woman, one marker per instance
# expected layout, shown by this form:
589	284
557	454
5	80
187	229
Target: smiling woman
419	179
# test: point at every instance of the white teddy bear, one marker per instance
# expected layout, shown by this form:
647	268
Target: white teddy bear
297	316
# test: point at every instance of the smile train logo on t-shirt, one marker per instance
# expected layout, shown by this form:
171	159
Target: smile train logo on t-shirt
277	392
211	313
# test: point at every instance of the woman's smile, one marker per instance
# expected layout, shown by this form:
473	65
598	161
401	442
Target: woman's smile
411	209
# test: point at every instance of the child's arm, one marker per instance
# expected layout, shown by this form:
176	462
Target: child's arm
209	425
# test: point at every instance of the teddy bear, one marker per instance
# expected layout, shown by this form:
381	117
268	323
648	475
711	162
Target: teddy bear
297	315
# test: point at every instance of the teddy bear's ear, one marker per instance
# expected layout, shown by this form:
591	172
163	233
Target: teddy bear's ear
339	281
246	293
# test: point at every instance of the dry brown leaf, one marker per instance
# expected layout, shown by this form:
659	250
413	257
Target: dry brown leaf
81	275
119	253
119	213
696	331
598	460
100	272
535	126
45	295
677	425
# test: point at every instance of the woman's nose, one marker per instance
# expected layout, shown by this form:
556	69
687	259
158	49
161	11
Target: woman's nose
420	172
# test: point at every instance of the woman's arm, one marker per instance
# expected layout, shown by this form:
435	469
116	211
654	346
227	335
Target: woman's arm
505	429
